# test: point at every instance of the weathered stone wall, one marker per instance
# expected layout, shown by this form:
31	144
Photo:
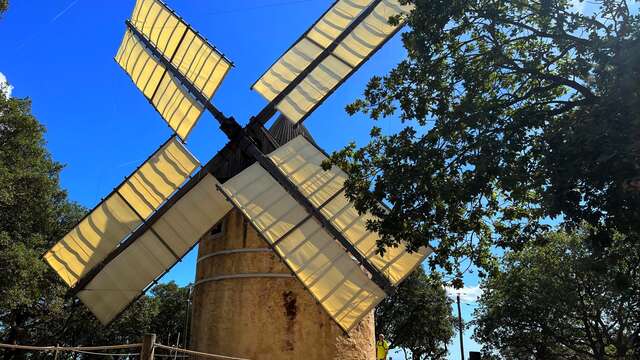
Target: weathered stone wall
264	318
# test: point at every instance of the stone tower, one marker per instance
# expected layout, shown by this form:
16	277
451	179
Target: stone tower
246	303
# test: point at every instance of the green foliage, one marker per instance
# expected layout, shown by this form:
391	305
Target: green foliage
563	301
171	311
517	112
417	317
4	5
162	312
34	214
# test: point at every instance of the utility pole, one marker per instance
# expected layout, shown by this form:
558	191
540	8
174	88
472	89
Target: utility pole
460	327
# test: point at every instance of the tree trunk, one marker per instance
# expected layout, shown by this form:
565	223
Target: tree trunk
15	338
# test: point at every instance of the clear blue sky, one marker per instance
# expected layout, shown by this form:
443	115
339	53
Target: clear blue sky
60	54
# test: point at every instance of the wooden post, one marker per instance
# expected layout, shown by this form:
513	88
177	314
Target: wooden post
148	344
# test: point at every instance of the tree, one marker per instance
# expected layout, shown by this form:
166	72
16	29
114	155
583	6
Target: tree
563	301
162	312
515	112
417	317
4	5
170	318
34	214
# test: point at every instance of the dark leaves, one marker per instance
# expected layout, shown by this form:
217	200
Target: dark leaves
524	116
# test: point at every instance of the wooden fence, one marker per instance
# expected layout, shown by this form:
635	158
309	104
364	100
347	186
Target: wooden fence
148	349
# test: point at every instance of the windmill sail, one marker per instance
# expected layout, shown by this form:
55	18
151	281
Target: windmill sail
173	65
328	271
155	250
302	163
102	230
327	54
317	260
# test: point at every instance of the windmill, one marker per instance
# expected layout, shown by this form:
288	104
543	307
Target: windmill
273	182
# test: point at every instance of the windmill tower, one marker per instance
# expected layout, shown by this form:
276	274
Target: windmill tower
243	291
286	266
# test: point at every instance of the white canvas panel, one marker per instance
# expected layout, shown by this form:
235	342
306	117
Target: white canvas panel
199	62
158	177
193	215
172	100
303	52
138	62
301	162
92	239
396	264
264	201
330	274
287	68
123	279
176	105
156	22
349	53
105	305
187	50
373	31
324	267
98	234
313	89
335	20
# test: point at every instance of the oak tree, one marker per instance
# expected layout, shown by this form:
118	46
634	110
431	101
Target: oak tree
518	114
562	300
